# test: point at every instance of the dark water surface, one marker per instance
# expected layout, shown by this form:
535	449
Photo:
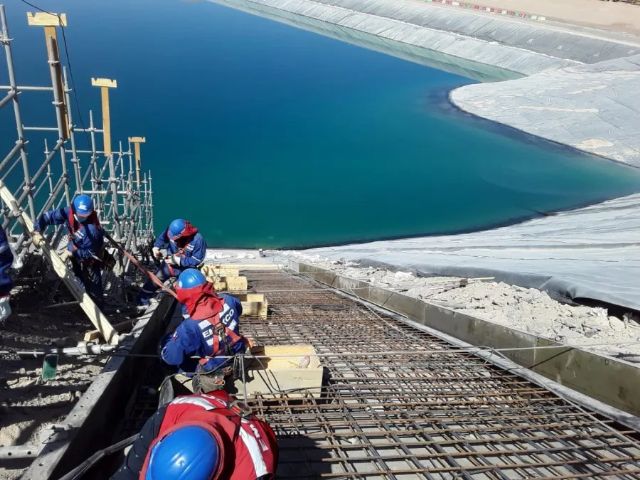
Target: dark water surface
266	135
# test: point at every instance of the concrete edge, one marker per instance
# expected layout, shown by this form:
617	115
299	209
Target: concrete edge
88	417
612	384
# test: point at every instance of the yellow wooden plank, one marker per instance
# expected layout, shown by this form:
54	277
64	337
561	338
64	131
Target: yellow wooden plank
236	284
292	368
43	19
95	315
104	82
254	309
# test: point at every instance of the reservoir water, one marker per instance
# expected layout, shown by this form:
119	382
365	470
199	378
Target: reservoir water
264	135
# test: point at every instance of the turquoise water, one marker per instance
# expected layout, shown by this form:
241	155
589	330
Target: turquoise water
264	135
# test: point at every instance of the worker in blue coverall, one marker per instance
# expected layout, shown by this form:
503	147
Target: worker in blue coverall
186	248
86	242
6	260
210	329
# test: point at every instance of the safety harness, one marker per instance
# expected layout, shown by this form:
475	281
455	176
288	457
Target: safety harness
221	332
74	226
203	305
239	422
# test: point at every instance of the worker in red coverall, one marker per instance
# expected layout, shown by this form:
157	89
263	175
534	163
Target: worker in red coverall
202	437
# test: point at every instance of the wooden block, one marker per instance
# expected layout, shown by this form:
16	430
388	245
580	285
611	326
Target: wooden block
255	309
93	335
253	304
215	271
294	369
104	82
44	19
236	284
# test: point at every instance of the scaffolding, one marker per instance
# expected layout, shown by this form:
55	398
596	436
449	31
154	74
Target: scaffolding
122	194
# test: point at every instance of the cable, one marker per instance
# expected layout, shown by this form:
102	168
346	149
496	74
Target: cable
93	459
448	351
66	52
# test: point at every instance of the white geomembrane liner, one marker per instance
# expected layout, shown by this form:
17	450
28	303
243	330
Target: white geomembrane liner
589	253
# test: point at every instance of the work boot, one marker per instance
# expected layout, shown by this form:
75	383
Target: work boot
205	383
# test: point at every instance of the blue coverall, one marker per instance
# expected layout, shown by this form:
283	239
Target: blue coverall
6	260
191	255
85	245
193	337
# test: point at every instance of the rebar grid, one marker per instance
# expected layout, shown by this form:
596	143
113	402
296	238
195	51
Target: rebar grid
439	414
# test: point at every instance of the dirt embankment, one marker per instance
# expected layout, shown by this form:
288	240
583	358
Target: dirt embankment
605	15
29	406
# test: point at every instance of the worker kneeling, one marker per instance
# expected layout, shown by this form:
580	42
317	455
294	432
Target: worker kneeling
186	248
202	437
210	331
86	242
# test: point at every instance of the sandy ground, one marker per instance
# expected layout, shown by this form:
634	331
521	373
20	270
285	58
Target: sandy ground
30	407
613	16
524	309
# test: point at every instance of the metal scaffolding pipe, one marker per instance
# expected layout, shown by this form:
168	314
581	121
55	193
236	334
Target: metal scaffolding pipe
19	451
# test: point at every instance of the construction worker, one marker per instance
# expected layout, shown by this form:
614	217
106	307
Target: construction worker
186	248
85	247
210	329
6	284
202	437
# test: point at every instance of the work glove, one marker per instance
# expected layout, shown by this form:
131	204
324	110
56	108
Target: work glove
156	252
173	260
37	239
65	255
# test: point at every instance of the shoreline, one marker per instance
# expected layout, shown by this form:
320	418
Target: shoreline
580	90
468	42
592	108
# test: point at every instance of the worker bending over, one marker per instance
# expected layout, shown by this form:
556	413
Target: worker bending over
186	248
210	329
202	437
86	242
6	284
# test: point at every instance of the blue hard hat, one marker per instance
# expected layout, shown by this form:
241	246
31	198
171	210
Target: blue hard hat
176	228
188	453
190	278
82	205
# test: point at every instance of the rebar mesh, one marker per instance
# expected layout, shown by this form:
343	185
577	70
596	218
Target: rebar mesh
439	414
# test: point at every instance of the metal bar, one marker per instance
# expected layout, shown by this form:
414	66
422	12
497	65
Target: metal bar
40	129
418	408
7	98
16	110
75	161
25	88
19	451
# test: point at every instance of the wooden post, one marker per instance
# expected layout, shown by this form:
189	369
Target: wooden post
105	84
50	21
136	149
